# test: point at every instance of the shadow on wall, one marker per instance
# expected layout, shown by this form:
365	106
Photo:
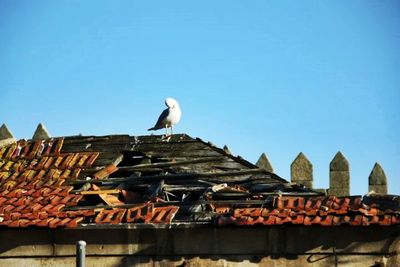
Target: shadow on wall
312	244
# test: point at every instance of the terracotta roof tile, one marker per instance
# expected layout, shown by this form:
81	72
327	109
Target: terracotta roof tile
48	207
75	173
31	216
150	214
139	213
34	222
44	222
325	211
22	208
3	200
57	208
54	199
82	160
35	148
64	222
74	222
61	214
89	162
32	175
15	223
163	214
13	216
105	172
54	222
110	216
43	215
10	151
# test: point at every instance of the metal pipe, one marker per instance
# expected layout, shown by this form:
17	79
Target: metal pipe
336	256
80	253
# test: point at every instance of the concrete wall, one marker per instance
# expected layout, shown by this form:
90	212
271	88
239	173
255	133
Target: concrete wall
204	246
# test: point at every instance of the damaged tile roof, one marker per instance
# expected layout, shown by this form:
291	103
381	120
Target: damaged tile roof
88	180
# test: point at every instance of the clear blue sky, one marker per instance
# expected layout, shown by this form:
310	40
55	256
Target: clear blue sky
278	77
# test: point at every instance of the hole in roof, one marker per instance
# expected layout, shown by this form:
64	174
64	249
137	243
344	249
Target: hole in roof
135	158
132	158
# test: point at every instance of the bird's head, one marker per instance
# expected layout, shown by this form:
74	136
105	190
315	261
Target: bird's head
171	103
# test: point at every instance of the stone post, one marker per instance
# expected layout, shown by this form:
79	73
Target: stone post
263	163
5	132
377	181
339	176
6	136
301	171
41	133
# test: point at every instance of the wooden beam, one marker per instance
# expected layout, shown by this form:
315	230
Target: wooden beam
125	206
171	163
174	203
168	203
194	203
191	188
109	191
108	199
183	176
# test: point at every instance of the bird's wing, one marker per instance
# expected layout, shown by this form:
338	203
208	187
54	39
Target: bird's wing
161	120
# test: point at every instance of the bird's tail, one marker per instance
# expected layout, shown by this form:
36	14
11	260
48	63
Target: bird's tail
151	129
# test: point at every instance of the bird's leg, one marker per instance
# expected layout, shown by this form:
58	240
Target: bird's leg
167	135
171	129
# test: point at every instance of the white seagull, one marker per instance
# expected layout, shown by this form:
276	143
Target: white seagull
169	117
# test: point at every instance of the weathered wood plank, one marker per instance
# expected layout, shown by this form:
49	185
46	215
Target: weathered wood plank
107	158
169	203
109	191
185	188
172	176
171	163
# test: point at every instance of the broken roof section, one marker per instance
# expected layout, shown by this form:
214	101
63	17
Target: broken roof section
80	180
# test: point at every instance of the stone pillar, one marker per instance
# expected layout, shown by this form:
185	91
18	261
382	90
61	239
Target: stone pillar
6	136
301	171
339	176
263	163
41	133
377	181
5	132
